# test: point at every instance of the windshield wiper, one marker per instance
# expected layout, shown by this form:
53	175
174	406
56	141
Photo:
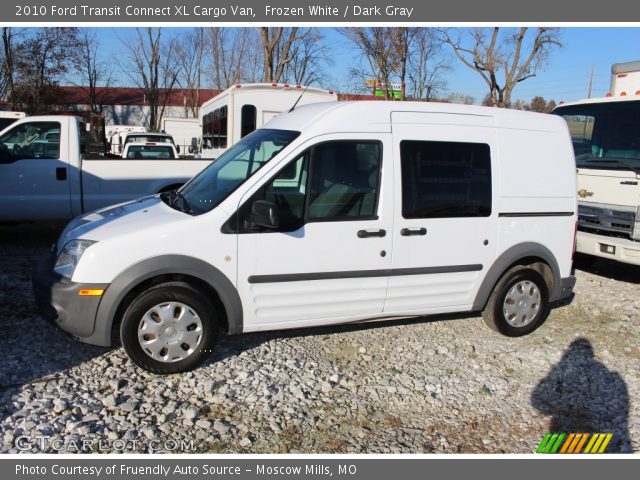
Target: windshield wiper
176	200
181	202
618	161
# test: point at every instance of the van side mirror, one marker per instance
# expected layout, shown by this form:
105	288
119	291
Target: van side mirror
265	214
178	148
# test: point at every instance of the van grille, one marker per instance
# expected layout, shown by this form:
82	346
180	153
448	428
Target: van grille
609	219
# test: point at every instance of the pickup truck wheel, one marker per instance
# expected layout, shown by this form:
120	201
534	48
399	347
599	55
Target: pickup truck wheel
169	328
519	302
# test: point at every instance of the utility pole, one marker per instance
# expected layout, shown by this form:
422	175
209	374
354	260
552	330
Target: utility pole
590	82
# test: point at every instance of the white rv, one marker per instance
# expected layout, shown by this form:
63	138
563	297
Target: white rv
333	213
243	108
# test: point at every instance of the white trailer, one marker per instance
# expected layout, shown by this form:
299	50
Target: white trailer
183	131
242	108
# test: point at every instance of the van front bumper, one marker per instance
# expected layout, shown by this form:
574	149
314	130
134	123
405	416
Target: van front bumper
60	302
619	249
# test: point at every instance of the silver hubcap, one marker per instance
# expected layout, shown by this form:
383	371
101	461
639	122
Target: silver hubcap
170	332
522	303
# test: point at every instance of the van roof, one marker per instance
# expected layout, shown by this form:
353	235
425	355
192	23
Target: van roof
364	116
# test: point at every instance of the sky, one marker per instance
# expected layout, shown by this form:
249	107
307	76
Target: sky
565	77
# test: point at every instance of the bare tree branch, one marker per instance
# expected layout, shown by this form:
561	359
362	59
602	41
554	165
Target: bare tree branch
506	53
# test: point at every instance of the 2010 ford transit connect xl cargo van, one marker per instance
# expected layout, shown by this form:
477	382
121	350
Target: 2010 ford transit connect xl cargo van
335	212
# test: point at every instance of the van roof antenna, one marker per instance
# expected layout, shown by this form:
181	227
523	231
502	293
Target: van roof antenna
295	104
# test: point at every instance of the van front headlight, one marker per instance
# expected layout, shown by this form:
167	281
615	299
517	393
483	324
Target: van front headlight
69	257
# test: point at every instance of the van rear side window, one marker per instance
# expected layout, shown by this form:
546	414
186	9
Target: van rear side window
445	179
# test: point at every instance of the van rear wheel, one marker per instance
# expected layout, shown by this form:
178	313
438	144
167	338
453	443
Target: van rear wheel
169	328
519	302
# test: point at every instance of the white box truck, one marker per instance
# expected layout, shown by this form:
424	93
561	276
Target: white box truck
183	131
116	133
242	108
333	213
606	140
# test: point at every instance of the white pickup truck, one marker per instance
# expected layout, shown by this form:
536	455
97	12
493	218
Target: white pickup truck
48	171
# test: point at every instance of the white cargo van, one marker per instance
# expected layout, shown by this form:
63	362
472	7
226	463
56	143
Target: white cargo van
338	212
242	108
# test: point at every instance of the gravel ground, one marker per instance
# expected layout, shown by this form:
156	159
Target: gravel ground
438	384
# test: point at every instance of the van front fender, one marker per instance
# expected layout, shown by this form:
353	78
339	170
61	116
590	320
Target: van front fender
147	269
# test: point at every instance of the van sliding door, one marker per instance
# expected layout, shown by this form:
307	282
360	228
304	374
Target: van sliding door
444	235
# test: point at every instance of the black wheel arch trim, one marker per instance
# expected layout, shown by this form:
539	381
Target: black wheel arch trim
509	257
165	265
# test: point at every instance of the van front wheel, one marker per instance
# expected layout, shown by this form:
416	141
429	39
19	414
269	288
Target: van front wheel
519	302
169	328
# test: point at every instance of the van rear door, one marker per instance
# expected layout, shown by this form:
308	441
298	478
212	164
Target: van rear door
444	235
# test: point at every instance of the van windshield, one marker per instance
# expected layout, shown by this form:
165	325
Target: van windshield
605	135
210	187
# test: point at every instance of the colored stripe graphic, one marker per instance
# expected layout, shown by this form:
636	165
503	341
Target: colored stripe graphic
567	444
599	440
573	443
606	441
542	448
590	444
551	443
585	436
556	446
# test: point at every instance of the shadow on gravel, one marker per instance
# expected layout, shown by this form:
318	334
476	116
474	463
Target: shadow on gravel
33	350
30	234
584	396
604	267
36	353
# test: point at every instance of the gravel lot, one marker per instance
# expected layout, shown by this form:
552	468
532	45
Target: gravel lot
445	384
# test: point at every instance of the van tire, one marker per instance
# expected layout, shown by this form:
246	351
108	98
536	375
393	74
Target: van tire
533	286
186	301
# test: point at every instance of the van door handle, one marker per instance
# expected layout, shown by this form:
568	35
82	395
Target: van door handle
407	232
61	173
371	233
